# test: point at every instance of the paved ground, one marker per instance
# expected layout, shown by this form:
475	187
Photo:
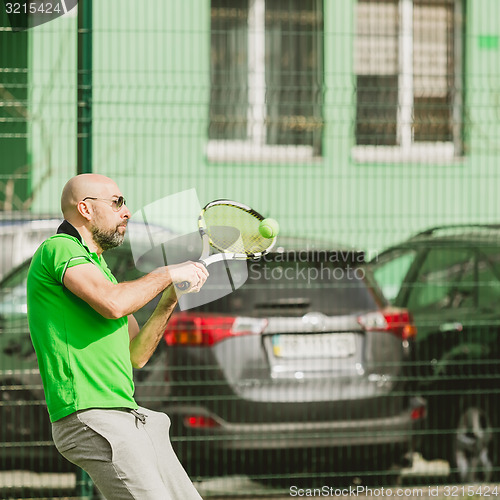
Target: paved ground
425	480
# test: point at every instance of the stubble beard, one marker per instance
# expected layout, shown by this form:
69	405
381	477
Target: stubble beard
106	239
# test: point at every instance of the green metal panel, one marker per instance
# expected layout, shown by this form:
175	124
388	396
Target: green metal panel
14	168
53	91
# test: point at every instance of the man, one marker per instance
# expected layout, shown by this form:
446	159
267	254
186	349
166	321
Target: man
87	342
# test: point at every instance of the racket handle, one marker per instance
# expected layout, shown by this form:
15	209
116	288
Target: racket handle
183	285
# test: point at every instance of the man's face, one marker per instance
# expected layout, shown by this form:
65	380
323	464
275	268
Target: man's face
107	233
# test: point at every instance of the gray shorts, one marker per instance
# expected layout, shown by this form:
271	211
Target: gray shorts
127	454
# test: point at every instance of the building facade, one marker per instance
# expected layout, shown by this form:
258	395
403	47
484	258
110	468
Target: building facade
359	121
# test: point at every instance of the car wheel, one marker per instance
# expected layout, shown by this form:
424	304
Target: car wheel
473	446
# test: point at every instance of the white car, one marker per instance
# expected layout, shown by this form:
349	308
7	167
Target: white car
20	236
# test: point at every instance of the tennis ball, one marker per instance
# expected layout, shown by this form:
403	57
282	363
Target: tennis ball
269	228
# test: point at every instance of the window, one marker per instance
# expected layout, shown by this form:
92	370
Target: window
293	287
445	280
266	79
488	278
391	271
408	65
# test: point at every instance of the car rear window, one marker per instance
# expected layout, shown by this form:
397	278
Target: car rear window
293	288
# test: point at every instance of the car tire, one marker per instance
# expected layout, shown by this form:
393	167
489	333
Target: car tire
473	445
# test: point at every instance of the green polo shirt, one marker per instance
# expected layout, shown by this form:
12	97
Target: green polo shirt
84	358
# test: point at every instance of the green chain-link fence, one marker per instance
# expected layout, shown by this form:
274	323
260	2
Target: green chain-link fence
356	124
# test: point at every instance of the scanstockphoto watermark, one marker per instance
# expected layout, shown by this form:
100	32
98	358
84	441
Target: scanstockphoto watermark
461	491
354	257
297	272
309	266
361	491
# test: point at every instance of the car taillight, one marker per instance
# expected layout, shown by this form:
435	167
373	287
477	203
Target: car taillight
200	422
396	321
419	413
190	329
418	407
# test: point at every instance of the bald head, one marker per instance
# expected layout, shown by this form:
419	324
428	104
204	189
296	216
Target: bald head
83	186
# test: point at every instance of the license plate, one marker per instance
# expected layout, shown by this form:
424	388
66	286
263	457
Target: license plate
321	345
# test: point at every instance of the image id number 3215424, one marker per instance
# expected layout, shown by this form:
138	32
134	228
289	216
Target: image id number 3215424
34	8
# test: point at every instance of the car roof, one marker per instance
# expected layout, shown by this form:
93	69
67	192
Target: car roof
480	236
460	232
22	222
475	235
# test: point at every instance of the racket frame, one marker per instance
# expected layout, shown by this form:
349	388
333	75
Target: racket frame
206	258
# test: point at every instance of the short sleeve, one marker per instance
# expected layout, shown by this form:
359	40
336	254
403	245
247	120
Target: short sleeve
61	252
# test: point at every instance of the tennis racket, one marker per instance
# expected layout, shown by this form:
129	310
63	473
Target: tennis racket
230	231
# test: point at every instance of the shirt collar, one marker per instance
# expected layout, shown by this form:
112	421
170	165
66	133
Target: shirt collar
67	228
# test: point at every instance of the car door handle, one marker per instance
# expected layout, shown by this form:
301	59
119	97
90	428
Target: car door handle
452	326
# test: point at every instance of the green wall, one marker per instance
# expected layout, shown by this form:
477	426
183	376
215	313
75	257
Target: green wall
14	164
151	95
52	87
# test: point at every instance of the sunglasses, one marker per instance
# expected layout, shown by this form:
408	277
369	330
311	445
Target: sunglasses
116	204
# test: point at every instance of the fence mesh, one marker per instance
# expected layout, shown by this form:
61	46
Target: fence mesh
363	351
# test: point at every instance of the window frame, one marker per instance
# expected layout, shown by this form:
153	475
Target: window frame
254	148
408	150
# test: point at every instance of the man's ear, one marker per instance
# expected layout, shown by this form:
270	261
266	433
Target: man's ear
85	209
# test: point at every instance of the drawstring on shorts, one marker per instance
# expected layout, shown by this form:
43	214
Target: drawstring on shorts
139	417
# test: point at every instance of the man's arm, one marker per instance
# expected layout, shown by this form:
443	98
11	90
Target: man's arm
144	342
115	300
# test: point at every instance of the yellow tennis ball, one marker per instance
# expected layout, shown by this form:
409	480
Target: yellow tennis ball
269	228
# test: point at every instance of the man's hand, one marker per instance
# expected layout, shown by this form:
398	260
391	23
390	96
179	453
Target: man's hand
194	273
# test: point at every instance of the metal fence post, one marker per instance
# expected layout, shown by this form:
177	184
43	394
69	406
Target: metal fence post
84	98
84	485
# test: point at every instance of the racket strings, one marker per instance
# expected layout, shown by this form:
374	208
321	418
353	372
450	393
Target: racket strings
235	230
